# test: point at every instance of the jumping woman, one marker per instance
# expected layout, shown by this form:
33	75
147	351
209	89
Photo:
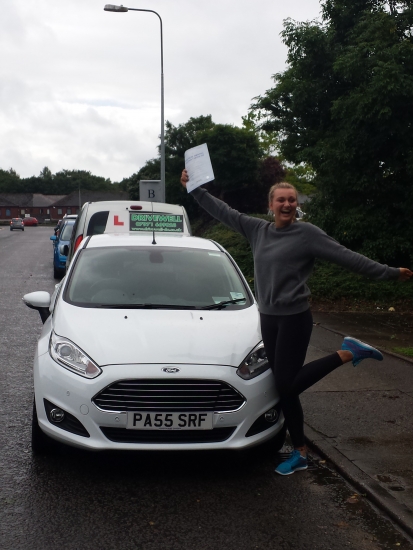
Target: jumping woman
284	252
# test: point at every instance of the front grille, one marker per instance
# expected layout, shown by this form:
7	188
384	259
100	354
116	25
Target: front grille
122	435
169	396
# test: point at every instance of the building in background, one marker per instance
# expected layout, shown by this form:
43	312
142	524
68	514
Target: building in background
51	207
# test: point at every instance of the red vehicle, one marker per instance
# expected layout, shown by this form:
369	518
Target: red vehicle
30	221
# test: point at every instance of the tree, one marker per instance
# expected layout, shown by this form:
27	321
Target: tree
268	140
66	181
345	107
61	183
235	155
46	174
271	171
300	175
150	171
10	181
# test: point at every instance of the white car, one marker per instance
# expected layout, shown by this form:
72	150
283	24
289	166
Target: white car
152	344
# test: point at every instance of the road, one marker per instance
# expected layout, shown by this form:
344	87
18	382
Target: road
150	501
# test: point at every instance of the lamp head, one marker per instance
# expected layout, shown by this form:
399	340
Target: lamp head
112	7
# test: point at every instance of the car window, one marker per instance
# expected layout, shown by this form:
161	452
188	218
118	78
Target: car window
66	232
97	223
162	276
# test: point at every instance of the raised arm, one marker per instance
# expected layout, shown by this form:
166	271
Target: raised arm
326	248
246	225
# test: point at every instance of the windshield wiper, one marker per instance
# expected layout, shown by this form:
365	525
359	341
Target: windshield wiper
220	305
143	306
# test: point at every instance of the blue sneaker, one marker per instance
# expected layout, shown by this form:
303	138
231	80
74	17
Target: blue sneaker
293	464
360	350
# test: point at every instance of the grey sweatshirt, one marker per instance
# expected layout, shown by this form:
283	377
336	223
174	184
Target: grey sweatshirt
284	257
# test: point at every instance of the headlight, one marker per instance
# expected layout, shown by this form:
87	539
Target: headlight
69	356
254	364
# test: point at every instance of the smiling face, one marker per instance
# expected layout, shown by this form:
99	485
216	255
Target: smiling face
284	206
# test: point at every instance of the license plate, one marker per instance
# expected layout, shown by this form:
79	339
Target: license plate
169	421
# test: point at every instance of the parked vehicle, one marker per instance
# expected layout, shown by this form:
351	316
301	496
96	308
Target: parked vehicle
29	220
299	214
57	227
59	242
152	345
62	221
96	218
16	223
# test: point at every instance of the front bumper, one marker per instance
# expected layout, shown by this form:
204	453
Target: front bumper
74	394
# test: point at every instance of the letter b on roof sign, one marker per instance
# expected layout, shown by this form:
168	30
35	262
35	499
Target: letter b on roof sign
151	190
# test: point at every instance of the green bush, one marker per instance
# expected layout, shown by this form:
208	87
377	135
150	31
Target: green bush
333	282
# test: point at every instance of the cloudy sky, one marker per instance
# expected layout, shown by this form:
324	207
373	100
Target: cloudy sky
80	87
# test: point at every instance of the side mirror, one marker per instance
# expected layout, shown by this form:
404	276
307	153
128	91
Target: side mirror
38	300
53	238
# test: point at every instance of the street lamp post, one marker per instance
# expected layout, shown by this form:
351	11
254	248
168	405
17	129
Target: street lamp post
111	7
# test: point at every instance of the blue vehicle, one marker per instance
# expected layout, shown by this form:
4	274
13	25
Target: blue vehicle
59	241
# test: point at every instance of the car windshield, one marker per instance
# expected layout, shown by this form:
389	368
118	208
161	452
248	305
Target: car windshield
155	278
66	232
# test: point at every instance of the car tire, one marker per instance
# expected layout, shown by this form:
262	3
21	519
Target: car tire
23	229
11	229
57	274
41	443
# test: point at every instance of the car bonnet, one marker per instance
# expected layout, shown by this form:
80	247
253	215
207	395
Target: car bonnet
119	336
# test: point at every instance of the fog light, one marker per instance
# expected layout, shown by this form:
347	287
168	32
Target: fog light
57	415
271	415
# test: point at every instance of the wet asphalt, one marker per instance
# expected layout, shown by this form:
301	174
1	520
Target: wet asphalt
361	418
151	501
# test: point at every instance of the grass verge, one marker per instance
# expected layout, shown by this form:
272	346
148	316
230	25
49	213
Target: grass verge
404	351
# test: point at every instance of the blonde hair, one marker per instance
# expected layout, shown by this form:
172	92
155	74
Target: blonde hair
281	185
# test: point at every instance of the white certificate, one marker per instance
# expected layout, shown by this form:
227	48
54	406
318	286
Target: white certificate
199	167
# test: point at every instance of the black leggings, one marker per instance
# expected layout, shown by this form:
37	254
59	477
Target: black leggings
286	339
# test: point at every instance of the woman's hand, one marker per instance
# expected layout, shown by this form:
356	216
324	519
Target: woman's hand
405	274
184	177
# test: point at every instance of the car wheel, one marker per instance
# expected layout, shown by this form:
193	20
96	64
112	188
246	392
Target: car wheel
11	229
57	274
22	228
41	443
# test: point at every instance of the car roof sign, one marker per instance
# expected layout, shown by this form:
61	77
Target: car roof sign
128	220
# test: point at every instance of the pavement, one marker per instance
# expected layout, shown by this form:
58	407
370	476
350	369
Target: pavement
361	419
